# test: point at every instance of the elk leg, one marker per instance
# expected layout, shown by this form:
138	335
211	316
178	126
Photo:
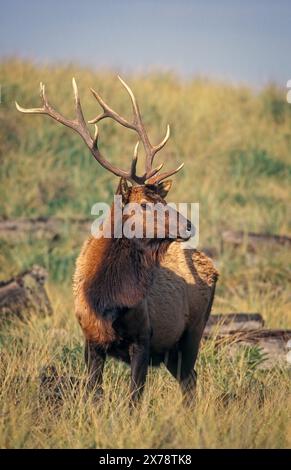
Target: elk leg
139	354
95	359
188	387
180	363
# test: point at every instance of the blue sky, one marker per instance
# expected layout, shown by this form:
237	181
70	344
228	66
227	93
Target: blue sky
240	41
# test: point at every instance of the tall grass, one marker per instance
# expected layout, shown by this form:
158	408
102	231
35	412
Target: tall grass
236	147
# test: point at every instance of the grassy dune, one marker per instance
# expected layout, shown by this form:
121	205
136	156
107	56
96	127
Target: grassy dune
236	146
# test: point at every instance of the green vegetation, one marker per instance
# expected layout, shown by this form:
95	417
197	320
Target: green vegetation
236	146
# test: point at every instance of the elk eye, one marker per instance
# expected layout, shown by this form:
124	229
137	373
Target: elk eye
143	205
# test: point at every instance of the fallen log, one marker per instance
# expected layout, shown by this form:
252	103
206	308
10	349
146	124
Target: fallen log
253	241
47	228
224	323
274	345
24	294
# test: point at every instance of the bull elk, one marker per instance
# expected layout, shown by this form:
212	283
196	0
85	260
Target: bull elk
141	300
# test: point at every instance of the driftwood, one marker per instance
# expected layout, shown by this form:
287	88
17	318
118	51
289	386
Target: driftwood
233	322
274	346
253	241
24	294
48	228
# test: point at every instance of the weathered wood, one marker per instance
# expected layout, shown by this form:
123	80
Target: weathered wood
47	228
224	323
274	345
253	241
24	294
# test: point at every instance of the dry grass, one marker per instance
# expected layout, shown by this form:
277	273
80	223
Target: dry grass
236	145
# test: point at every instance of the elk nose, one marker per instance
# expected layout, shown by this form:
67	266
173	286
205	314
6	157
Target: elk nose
190	228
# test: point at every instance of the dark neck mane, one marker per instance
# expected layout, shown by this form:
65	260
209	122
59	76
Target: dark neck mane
124	276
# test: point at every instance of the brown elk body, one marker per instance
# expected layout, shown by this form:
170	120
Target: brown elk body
142	300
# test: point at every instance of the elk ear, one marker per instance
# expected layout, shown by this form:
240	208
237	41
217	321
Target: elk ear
164	187
123	189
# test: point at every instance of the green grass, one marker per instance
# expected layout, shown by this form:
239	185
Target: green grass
236	147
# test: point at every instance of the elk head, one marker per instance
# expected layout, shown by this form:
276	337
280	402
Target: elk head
146	189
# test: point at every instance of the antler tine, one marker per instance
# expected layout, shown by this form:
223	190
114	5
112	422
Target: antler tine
79	126
134	178
154	171
162	176
138	125
78	107
134	159
34	110
108	112
136	111
96	136
158	147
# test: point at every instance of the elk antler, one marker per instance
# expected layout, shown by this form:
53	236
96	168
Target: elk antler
79	126
137	125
